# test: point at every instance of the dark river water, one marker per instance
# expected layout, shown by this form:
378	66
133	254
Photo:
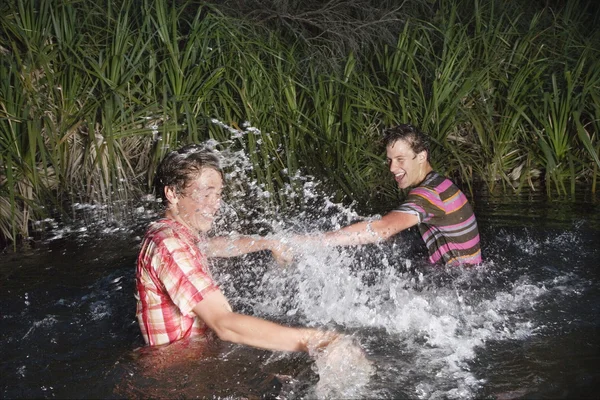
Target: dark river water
525	324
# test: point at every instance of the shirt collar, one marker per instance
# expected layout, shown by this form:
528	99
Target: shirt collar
194	237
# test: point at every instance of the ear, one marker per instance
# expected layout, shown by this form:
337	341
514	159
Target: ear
171	195
422	156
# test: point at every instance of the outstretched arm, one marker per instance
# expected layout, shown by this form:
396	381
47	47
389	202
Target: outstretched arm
216	312
232	246
363	232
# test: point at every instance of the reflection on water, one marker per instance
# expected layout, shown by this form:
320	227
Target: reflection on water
524	324
192	368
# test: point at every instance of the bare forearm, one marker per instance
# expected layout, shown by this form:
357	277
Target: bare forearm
216	312
356	234
363	232
252	331
225	246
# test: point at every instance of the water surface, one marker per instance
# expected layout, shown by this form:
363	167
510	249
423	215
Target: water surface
522	325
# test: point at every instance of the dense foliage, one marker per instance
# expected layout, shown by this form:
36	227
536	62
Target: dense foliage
92	94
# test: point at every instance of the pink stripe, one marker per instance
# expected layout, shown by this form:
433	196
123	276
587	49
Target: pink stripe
466	245
430	196
427	234
443	186
435	257
412	207
470	259
459	228
459	225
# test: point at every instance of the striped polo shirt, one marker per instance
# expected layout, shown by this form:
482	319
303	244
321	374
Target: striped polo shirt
446	221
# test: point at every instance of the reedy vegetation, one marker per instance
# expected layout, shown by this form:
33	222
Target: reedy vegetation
93	94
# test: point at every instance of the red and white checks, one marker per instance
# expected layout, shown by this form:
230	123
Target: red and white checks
172	278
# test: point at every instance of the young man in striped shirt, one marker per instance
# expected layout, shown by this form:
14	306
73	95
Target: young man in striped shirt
442	212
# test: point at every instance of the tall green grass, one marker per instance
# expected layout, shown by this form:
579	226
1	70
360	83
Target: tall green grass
93	94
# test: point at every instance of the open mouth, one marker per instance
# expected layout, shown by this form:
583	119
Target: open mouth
207	216
399	176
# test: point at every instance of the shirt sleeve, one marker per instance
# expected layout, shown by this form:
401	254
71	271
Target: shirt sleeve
184	273
423	202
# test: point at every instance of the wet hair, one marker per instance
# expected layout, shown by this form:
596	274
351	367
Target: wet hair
417	139
179	167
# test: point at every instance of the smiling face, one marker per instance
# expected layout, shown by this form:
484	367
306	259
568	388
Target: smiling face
409	169
197	205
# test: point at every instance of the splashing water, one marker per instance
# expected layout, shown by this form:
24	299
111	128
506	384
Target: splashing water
344	371
440	316
412	330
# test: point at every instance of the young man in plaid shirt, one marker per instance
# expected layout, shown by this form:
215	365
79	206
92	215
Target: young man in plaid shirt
176	295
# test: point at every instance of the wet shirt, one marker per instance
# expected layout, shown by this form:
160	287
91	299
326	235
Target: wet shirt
172	278
446	221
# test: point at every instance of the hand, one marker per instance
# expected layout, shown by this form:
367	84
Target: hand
328	343
305	240
282	253
319	340
343	367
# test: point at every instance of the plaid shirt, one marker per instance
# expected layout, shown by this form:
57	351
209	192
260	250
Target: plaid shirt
172	278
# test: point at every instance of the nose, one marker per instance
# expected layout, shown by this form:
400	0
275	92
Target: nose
214	203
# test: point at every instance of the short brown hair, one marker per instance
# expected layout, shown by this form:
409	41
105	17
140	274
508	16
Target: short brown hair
417	139
179	167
